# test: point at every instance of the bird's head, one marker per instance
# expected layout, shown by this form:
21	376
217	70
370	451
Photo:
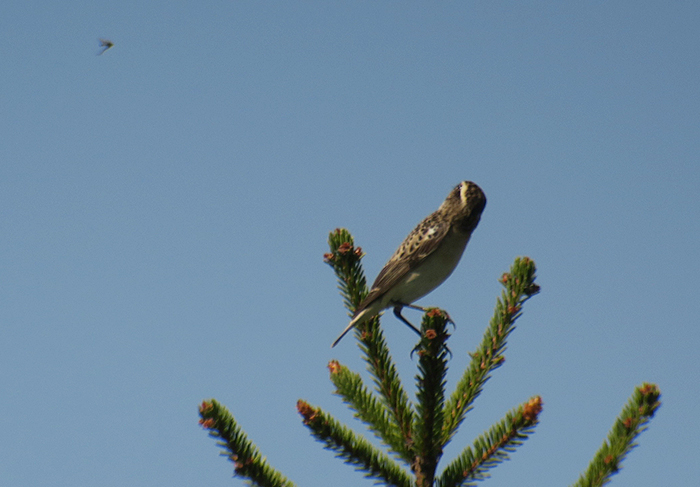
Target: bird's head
463	206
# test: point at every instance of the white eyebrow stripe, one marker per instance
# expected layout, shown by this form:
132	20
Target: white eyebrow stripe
463	192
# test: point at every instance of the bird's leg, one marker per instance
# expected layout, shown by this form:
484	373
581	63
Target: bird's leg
397	313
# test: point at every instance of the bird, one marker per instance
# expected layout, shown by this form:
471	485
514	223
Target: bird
106	44
426	257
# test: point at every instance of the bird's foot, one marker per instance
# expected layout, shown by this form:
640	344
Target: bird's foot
420	347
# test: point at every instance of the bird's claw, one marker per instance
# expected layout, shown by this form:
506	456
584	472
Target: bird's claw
449	320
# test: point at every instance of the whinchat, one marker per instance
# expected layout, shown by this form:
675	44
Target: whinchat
425	258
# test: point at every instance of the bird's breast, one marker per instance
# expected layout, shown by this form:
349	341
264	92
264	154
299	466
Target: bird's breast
432	271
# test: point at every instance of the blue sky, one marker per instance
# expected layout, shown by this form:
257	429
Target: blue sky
164	209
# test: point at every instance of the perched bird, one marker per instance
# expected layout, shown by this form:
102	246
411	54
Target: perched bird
105	44
426	258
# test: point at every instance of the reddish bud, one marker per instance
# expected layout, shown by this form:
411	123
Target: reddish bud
306	411
334	366
532	409
435	312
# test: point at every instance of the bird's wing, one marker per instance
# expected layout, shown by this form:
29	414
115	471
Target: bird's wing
419	244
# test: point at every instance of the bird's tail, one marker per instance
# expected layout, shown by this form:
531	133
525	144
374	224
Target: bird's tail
355	320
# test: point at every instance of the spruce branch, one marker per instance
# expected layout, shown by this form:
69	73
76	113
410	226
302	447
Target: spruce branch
352	448
345	259
249	463
492	447
519	286
633	420
388	383
417	434
432	366
368	408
